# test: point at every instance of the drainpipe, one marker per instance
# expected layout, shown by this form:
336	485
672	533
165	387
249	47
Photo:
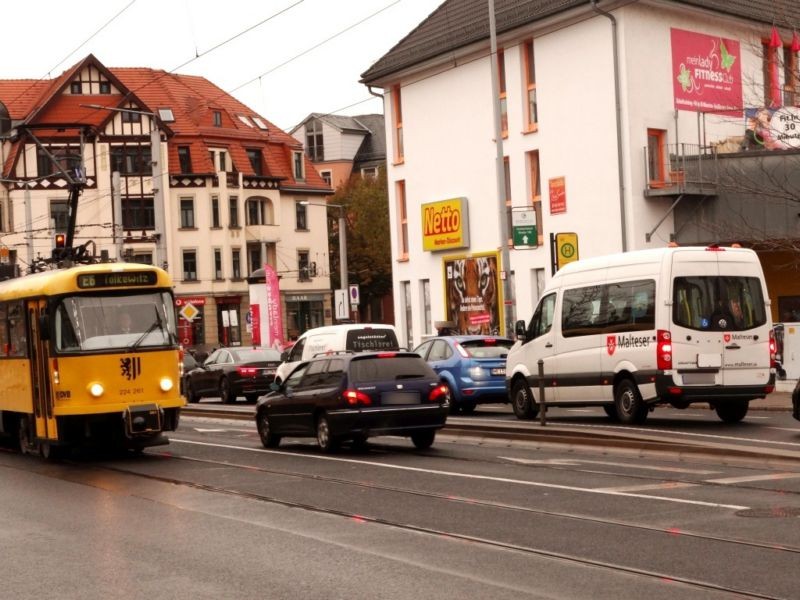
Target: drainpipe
376	94
622	218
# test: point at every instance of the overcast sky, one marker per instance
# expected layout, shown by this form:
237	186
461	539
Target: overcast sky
44	37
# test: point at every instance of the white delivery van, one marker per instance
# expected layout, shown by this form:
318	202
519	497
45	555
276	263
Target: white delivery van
358	337
632	330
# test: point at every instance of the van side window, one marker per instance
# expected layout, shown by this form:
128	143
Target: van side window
296	353
542	320
581	312
630	306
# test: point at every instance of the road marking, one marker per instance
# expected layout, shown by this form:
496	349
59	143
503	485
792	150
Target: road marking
576	462
667	485
673	432
749	478
792	429
554	486
208	430
580	410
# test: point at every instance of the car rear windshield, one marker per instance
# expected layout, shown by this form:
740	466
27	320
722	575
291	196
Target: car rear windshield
389	369
367	339
704	303
489	348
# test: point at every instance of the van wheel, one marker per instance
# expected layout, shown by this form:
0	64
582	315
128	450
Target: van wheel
732	411
630	407
522	401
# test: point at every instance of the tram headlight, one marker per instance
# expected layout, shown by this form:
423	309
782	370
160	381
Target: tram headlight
96	390
166	384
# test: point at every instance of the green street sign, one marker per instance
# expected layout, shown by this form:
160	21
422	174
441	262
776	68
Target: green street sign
523	229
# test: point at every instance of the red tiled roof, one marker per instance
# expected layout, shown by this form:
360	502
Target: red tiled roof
191	98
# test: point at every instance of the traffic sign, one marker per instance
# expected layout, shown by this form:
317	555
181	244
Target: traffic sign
340	304
354	295
566	248
523	226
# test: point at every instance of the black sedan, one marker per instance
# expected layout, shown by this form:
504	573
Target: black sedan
231	372
355	396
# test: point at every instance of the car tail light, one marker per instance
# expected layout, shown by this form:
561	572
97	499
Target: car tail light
247	371
461	350
438	394
663	350
355	398
387	354
773	350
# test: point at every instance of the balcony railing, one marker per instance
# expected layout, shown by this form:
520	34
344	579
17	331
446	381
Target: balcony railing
681	169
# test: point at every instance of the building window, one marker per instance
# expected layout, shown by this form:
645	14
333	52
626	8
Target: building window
256	161
236	263
233	211
501	80
76	87
326	176
187	213
215	212
190	265
426	307
138	213
531	114
69	159
217	264
298	166
397	116
405	298
131	160
369	172
223	160
185	159
141	258
302	266
535	187
217	118
655	157
301	211
131	117
402	220
314	147
59	215
259	212
254	257
105	87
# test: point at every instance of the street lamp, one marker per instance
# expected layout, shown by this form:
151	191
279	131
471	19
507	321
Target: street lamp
158	195
342	240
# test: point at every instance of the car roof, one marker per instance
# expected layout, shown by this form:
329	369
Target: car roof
470	338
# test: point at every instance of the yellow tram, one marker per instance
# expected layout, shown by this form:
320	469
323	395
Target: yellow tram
89	355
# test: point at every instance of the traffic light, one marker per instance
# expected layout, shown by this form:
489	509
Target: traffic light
61	240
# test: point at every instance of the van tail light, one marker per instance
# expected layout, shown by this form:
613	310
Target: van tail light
663	350
438	394
773	350
356	398
247	371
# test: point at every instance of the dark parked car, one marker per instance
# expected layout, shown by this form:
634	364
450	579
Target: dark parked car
231	372
355	396
188	365
472	366
796	401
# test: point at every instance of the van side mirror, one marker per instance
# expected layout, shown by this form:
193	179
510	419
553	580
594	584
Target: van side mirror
520	330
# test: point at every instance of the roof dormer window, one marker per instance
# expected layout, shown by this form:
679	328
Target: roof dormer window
105	87
245	120
166	115
217	118
76	87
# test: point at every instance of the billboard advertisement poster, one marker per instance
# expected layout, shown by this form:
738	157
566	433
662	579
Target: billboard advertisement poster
274	337
558	195
473	294
706	73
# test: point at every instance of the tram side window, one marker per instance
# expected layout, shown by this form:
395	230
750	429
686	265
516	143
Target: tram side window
17	337
4	346
66	338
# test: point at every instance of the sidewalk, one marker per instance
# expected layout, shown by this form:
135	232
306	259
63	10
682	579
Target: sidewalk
775	401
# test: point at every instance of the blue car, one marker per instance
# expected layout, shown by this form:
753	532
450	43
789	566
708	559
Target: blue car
472	366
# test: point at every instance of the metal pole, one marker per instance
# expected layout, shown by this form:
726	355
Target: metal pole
343	256
542	403
29	225
116	194
505	260
158	195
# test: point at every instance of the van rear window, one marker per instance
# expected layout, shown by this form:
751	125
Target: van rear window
368	339
718	303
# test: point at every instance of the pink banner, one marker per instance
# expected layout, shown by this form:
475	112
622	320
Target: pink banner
706	73
274	317
255	323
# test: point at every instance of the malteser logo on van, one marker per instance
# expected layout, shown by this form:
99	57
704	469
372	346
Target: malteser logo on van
626	341
727	337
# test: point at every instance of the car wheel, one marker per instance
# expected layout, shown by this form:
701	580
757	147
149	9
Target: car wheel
225	391
732	411
522	401
455	405
423	439
630	407
611	411
327	442
191	395
467	408
252	398
268	438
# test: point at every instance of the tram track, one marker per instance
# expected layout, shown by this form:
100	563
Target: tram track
456	535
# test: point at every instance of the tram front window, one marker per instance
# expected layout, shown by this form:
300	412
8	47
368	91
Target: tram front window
91	323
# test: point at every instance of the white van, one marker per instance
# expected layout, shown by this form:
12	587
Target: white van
354	337
632	330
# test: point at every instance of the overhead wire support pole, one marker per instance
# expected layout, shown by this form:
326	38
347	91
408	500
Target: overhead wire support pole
505	260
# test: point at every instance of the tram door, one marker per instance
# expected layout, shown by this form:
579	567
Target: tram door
40	378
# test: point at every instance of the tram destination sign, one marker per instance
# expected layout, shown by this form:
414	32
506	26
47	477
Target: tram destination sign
126	279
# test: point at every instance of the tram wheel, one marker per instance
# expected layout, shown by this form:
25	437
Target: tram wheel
50	452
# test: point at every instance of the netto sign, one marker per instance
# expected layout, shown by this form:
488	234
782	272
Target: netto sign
445	225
